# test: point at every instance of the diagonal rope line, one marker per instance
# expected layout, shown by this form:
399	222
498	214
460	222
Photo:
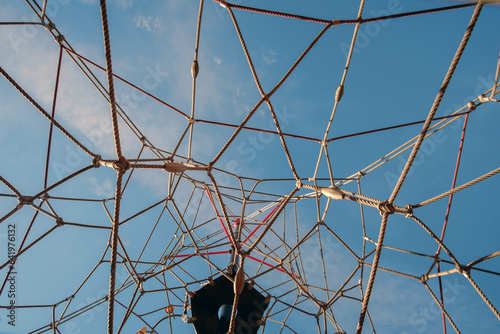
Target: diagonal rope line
437	101
412	157
457	189
483	295
86	60
51	127
11	187
443	310
266	97
262	93
44	113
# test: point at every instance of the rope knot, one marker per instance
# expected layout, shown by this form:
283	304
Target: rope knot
385	206
464	270
25	200
209	167
50	26
121	164
96	162
483	98
59	38
409	209
471	105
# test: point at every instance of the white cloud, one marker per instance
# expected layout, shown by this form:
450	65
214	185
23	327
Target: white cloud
269	56
217	60
148	23
102	189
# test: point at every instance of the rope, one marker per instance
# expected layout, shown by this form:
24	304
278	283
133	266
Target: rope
373	272
283	142
20	23
437	101
51	127
21	250
484	258
10	213
257	130
322	21
11	187
440	243
262	93
245	50
127	82
58	183
109	72
402	148
266	97
114	249
44	113
448	213
338	96
483	296
494	88
194	73
236	300
271	222
443	310
394	127
457	189
182	243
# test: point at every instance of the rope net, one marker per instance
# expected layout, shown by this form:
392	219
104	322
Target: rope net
341	157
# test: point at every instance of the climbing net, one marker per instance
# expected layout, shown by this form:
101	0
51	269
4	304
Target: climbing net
300	152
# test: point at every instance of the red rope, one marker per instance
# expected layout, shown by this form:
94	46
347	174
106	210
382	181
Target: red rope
270	265
218	216
265	219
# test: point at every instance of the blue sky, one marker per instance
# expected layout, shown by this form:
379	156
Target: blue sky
396	70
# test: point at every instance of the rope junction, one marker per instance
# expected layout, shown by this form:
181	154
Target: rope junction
282	234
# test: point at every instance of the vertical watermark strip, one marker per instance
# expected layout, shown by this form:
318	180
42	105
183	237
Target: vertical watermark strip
12	279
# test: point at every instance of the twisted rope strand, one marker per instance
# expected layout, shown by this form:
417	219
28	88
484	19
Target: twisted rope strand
437	102
109	73
457	189
44	113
